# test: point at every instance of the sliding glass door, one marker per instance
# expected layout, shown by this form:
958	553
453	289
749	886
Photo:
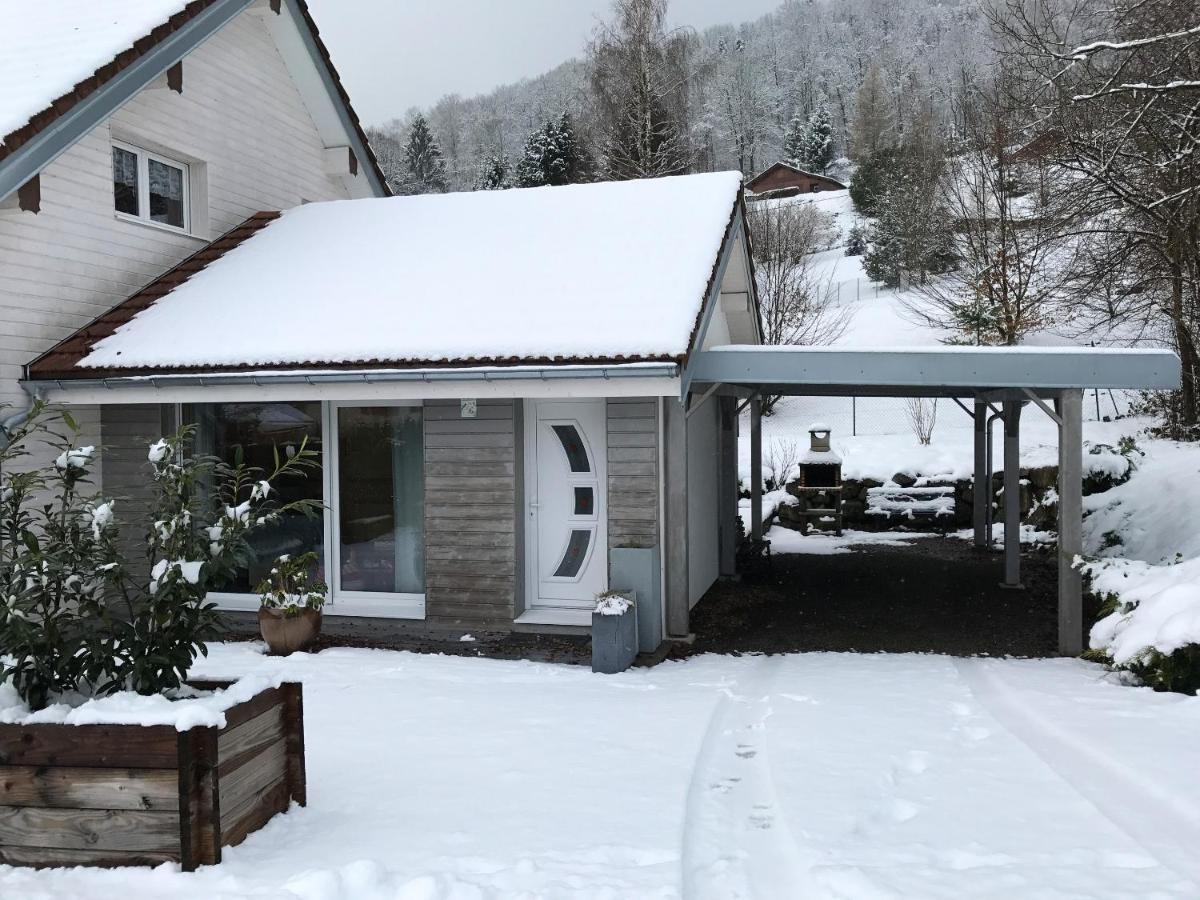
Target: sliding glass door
379	541
370	540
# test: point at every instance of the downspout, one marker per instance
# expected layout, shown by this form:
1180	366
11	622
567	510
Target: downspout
8	425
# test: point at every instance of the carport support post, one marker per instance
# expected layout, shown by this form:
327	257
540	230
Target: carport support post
727	505
1069	407
1012	493
756	500
981	491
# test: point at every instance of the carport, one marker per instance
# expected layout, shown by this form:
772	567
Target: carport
989	383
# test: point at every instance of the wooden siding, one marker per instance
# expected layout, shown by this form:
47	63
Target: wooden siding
241	122
126	795
632	472
471	486
126	433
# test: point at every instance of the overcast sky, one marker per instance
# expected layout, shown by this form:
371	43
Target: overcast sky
394	54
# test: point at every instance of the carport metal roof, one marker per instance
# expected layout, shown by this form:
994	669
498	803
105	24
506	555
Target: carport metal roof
932	371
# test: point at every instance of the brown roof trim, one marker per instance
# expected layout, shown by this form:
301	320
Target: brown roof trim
59	362
368	365
39	122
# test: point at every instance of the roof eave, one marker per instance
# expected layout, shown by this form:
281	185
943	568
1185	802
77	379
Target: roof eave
67	127
64	128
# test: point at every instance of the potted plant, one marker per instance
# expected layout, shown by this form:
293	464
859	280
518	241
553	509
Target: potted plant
614	632
290	615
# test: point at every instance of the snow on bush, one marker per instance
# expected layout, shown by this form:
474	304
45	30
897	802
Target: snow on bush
1148	567
77	616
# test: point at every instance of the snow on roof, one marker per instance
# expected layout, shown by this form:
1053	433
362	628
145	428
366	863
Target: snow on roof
52	45
596	271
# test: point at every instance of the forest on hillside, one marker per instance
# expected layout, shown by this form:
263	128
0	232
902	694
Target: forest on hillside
1023	168
739	86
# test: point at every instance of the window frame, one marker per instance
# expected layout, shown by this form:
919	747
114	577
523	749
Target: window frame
338	603
143	157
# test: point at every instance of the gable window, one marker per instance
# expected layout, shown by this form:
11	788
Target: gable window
150	187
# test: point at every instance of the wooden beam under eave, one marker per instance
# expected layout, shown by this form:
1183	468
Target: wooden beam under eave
29	195
175	77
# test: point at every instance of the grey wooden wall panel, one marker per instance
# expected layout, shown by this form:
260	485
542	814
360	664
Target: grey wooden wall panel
632	472
471	494
126	432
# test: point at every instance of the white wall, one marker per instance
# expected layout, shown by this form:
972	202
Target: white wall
243	123
703	492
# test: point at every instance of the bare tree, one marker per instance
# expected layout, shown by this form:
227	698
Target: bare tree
738	101
1119	109
639	79
1011	229
922	416
779	462
798	306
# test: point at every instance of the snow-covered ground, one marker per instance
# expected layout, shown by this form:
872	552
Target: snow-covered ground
817	776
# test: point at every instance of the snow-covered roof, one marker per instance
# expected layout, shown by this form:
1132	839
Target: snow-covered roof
52	45
610	271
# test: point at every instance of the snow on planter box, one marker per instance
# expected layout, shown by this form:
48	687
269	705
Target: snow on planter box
129	780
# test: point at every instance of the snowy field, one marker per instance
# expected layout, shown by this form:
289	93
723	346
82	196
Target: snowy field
817	776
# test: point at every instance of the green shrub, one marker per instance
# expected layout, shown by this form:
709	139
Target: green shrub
77	615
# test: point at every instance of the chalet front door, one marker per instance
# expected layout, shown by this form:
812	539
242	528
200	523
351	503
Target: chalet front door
566	537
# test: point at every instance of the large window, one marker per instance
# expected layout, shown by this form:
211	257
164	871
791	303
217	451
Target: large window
372	483
381	540
150	187
254	430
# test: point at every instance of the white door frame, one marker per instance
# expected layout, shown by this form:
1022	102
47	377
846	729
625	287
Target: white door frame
338	603
391	605
548	614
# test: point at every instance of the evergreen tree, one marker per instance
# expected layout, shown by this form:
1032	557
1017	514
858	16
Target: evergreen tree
423	158
912	237
553	156
493	174
872	177
794	142
817	151
874	127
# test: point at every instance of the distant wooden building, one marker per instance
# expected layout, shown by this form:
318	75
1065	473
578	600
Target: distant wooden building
784	180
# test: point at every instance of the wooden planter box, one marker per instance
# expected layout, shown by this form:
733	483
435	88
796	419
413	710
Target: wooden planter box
135	795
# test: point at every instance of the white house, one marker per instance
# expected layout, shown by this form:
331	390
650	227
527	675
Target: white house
494	381
133	133
521	398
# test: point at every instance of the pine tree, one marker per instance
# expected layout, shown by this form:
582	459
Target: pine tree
553	156
493	174
874	127
423	158
794	143
817	148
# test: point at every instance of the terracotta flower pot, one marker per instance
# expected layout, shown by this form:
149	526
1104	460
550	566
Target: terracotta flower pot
289	634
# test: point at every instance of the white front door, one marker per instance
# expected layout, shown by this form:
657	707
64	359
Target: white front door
566	494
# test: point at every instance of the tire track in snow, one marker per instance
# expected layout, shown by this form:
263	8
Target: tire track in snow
736	840
1158	821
